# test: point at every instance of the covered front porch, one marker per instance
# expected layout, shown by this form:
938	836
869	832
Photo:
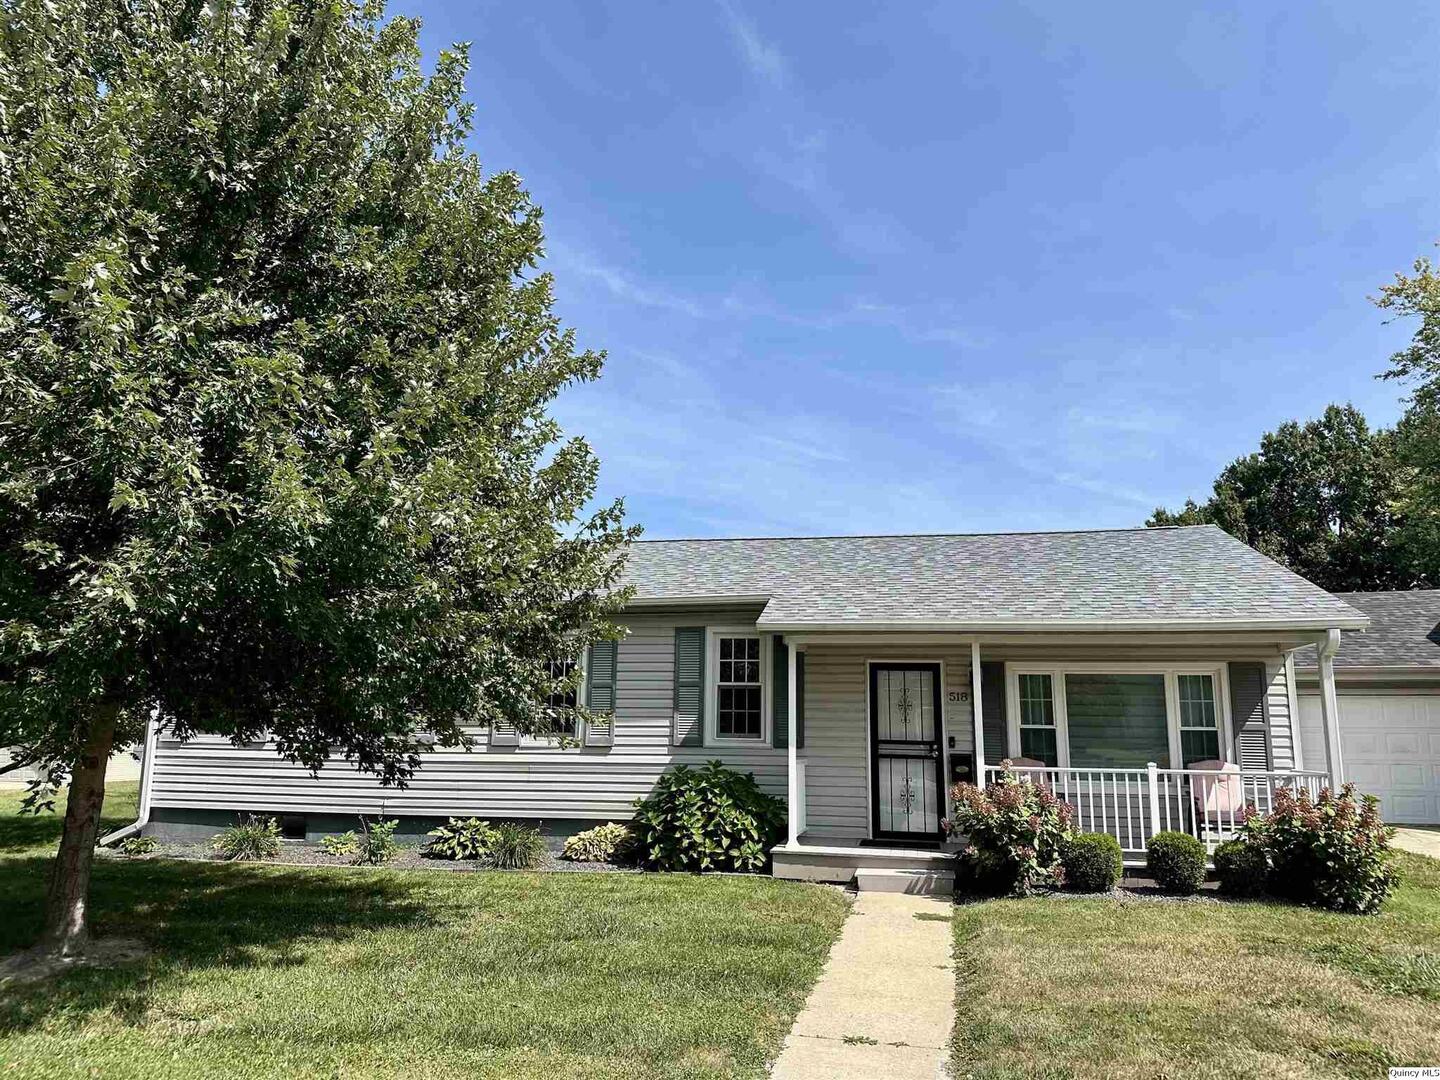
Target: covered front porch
1139	733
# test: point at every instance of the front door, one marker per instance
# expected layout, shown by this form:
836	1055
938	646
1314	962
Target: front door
906	794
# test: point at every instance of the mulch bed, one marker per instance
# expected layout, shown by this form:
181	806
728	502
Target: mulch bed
296	853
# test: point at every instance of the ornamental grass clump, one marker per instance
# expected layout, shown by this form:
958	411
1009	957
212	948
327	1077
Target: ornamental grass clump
252	840
1016	830
1329	852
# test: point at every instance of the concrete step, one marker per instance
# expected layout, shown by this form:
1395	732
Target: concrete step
914	882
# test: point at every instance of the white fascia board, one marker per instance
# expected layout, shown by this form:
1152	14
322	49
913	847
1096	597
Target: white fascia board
698	600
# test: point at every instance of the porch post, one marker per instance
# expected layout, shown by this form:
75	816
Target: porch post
977	711
793	800
1326	648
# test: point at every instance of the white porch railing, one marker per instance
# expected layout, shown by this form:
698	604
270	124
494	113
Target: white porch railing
1132	805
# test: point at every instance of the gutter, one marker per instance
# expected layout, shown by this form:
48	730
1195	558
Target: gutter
147	772
1095	625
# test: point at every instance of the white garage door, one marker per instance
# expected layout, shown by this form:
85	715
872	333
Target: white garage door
1390	747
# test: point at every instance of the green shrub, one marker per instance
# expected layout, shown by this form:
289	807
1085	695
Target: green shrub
515	847
1242	868
603	843
341	845
459	839
1332	852
138	845
1016	828
709	818
377	842
1092	862
1176	861
253	839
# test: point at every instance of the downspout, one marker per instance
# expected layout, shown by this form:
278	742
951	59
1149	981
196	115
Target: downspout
1326	647
147	771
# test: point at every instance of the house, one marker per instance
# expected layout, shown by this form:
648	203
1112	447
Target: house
1388	685
1146	673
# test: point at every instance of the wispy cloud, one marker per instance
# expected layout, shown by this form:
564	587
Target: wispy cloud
622	285
761	57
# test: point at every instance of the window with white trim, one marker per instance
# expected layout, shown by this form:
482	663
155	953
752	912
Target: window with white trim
562	704
1039	739
1199	722
739	695
1117	716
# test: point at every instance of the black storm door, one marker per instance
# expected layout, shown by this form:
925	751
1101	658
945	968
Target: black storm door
907	797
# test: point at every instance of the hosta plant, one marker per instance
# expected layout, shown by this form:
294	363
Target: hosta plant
603	843
461	839
707	818
138	845
341	845
1016	830
1330	852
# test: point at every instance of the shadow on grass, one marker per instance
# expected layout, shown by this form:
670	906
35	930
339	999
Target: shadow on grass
192	915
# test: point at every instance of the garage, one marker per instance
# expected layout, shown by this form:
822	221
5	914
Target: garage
1387	682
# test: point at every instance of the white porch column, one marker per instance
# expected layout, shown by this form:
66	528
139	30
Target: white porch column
793	724
977	710
1326	648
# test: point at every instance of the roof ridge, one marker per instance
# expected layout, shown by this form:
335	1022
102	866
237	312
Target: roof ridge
923	535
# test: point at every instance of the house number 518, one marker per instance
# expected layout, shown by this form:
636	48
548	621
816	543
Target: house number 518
955	696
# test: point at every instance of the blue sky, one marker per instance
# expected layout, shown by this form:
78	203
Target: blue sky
958	267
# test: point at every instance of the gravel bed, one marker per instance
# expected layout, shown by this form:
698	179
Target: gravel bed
407	858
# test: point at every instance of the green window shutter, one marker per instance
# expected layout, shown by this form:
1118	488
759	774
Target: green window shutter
689	722
601	671
780	693
992	712
504	735
1248	714
800	700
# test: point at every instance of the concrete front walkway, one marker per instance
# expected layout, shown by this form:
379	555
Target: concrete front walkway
1420	841
885	1002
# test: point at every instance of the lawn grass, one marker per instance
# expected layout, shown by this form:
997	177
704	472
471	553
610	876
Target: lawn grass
262	971
1070	987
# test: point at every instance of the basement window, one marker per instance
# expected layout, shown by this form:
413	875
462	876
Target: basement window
292	827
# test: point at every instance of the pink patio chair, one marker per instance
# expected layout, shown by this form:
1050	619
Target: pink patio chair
1218	799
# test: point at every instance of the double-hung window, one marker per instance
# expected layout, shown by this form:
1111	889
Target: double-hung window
561	705
739	684
1199	724
1039	738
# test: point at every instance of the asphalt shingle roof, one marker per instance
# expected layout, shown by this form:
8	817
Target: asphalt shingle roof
1404	632
1172	578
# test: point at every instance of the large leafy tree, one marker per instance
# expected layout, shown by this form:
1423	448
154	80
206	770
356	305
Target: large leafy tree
1416	296
1323	498
275	361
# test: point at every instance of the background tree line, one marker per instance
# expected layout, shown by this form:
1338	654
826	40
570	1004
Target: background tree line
1348	506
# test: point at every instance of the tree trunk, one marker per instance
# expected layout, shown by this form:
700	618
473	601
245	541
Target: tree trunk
67	928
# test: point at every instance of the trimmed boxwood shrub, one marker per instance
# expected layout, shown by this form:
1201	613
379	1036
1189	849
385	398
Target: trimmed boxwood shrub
1092	862
1332	852
1015	828
1242	868
710	818
1176	861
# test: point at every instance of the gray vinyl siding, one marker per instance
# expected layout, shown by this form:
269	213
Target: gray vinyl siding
837	727
524	781
1282	725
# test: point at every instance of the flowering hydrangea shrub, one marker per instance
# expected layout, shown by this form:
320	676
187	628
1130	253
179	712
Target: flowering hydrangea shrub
1331	852
1016	830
